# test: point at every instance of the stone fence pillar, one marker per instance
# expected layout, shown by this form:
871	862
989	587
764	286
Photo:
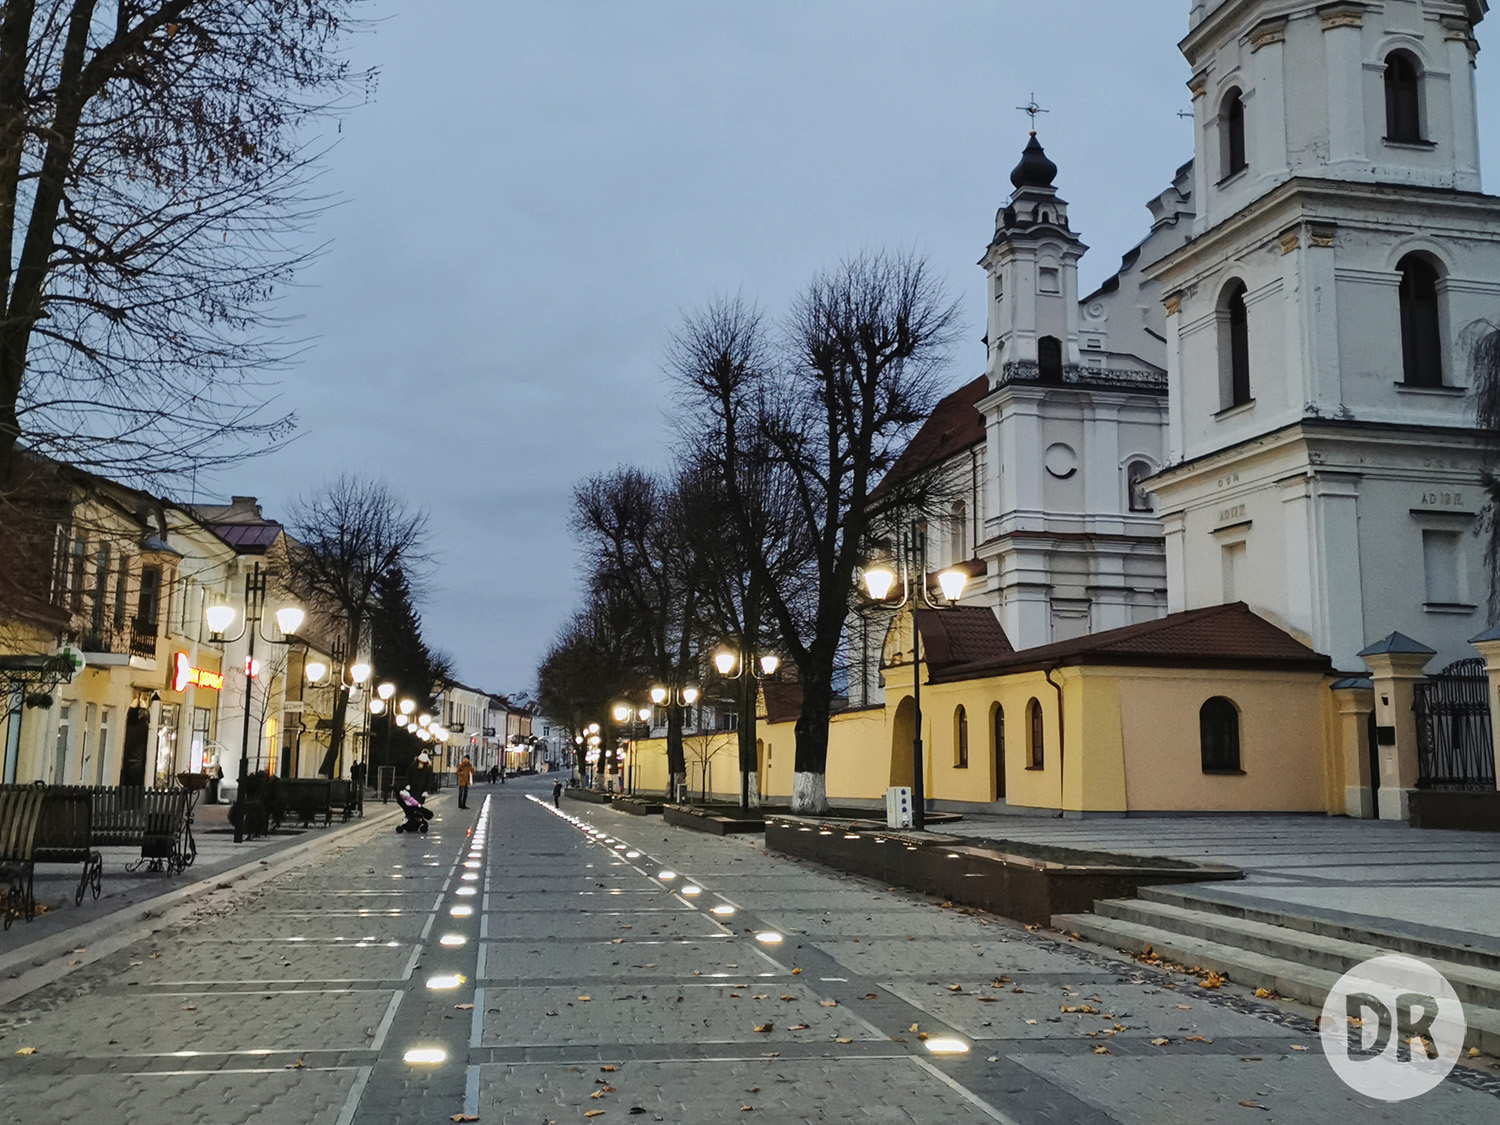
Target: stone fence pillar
1396	664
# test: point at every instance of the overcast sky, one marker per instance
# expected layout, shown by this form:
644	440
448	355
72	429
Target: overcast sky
541	188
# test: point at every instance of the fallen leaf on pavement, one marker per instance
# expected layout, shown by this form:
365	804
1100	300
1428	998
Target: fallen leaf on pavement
1185	1007
26	1051
955	988
1300	1047
1160	1042
464	1007
752	1089
1264	994
842	1039
763	1027
789	998
797	1027
1101	1050
1254	1105
464	1117
592	1112
1198	1039
609	1069
585	998
796	971
828	1003
871	996
913	1027
1032	1022
1211	980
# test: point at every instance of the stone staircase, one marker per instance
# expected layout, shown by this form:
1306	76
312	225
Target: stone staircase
1293	953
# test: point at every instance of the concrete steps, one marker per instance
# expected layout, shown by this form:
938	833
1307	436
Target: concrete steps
1295	956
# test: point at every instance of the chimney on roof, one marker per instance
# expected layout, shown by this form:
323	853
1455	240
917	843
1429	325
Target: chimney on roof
243	507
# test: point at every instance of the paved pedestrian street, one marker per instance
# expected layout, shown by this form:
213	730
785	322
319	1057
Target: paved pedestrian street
520	964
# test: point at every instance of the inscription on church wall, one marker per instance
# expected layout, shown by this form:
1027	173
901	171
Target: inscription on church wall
1442	498
1229	479
1229	515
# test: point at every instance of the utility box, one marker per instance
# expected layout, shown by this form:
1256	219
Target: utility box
898	806
682	793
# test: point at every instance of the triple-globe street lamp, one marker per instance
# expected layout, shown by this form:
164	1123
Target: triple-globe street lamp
625	713
910	573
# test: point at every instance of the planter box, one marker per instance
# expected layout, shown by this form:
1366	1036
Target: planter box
592	796
699	820
638	806
1465	811
1027	882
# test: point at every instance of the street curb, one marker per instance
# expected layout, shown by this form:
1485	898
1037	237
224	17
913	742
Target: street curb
113	932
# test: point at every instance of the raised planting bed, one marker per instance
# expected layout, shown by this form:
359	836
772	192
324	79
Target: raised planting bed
592	796
1024	881
716	821
638	806
1447	808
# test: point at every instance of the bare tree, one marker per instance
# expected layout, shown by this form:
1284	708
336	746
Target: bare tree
348	539
864	347
629	523
155	163
591	663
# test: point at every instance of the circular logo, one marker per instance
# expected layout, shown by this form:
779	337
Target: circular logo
1392	1028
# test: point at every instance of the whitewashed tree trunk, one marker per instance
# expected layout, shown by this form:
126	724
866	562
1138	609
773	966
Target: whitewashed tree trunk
754	792
809	793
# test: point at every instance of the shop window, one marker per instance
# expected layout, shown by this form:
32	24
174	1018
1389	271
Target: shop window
1219	735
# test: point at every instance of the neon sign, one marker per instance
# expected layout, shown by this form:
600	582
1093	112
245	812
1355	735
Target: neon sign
184	674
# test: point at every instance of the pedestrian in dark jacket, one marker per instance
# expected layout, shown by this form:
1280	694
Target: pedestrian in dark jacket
556	792
419	776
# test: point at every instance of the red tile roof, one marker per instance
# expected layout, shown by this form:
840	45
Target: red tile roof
1215	636
954	426
962	635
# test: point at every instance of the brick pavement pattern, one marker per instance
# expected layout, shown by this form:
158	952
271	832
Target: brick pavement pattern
584	979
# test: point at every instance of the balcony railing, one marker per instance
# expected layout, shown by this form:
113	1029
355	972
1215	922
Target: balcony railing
143	638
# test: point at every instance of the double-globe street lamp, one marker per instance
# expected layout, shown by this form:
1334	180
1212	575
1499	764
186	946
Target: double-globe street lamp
880	581
289	619
678	699
625	713
732	665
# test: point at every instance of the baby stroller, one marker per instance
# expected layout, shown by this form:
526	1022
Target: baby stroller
417	815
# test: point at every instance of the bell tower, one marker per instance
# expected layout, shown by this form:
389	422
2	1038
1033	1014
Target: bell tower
1322	461
1031	269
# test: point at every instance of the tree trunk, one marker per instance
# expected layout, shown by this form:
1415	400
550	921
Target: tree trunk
809	793
676	758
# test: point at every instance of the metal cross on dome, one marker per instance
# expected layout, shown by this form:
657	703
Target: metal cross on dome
1031	109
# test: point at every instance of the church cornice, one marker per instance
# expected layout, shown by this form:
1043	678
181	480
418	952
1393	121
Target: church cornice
1307	431
1317	202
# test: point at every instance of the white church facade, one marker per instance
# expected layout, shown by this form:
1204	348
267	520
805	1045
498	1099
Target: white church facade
1230	507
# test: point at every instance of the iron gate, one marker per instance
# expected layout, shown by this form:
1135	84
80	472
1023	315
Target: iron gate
1455	746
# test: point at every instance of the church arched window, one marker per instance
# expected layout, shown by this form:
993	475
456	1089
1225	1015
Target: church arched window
958	533
1232	157
1036	754
1219	735
1234	346
1049	359
1421	334
1403	98
961	738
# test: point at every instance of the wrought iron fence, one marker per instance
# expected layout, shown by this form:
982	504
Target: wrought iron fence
1455	744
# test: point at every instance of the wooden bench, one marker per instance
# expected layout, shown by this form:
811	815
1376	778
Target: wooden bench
345	796
65	835
164	818
307	797
116	812
20	812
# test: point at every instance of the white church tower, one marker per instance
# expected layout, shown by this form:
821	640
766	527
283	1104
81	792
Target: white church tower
1321	461
1073	422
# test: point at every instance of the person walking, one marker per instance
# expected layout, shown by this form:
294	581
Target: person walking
419	776
556	792
465	775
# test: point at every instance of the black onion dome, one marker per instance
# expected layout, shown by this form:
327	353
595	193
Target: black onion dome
1035	170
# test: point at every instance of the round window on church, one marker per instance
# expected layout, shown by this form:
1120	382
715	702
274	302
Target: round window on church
1060	460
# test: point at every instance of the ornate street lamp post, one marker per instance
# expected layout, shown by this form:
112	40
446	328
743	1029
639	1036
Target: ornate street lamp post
289	619
880	580
733	665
